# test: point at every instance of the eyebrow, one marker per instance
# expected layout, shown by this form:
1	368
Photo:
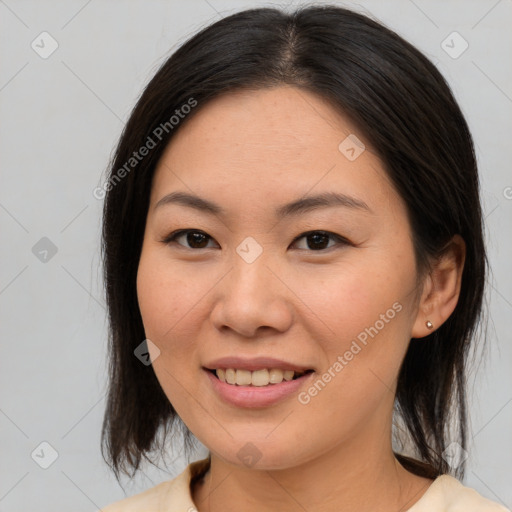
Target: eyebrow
297	207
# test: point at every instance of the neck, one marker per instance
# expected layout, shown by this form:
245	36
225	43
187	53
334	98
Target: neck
356	476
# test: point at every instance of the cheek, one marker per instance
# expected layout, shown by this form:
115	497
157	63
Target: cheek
367	315
166	301
354	298
158	309
368	320
165	295
165	298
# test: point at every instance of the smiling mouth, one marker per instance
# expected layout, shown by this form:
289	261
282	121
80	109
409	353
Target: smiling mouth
258	378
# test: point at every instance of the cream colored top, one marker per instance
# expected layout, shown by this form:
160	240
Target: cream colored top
445	494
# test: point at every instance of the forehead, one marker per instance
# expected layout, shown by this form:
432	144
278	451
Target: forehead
273	122
263	145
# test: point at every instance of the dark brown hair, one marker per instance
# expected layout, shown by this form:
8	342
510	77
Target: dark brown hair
404	108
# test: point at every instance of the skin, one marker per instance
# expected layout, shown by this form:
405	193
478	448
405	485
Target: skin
250	152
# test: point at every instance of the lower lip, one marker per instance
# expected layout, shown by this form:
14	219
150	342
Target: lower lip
256	396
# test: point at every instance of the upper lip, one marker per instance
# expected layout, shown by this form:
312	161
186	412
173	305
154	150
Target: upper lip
254	363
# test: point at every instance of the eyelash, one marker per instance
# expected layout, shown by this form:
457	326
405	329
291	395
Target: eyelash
171	238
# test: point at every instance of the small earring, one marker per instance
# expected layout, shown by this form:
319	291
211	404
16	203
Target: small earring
429	324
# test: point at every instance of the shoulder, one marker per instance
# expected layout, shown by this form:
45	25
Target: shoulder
149	500
446	494
170	496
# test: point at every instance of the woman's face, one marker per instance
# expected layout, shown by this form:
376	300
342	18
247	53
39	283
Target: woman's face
249	289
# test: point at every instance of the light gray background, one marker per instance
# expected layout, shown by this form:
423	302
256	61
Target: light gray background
60	119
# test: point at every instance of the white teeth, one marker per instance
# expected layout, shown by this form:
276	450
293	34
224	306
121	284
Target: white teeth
243	377
276	376
288	374
257	378
231	376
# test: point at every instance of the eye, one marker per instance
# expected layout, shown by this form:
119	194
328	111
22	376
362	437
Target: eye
319	240
315	240
195	238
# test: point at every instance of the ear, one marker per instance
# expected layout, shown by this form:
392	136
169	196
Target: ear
441	288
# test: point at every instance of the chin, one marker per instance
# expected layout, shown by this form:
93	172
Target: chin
259	454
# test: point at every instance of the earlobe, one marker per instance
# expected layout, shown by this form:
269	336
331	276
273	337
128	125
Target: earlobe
441	289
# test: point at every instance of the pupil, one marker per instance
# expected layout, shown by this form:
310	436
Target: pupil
195	239
317	237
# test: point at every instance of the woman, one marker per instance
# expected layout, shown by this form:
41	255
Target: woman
294	265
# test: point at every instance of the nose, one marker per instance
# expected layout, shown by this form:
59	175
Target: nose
251	299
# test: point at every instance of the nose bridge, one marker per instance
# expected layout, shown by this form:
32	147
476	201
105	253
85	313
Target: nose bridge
252	296
251	277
